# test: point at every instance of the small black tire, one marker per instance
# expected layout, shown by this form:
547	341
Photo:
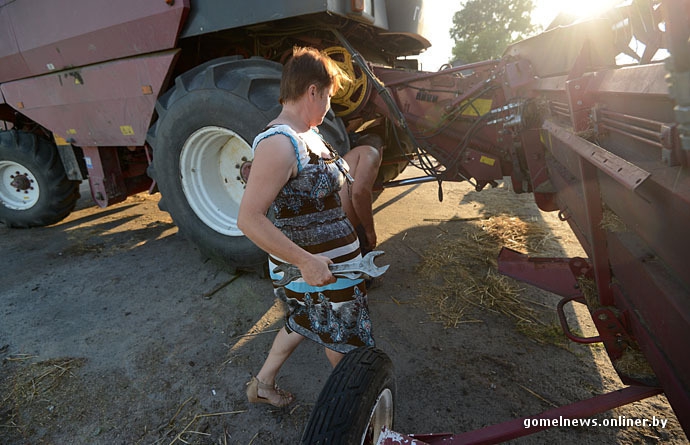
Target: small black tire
34	188
356	401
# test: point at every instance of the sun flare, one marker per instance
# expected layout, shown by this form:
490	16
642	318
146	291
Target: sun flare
549	9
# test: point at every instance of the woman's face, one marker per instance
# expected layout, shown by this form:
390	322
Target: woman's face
321	103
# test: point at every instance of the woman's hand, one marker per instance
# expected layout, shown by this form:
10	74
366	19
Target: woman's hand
315	270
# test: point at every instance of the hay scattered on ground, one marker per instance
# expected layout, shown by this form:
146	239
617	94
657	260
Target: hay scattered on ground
33	383
197	421
461	272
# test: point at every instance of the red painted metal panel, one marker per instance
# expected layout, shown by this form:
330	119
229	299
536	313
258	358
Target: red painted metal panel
108	104
557	275
56	35
661	320
12	66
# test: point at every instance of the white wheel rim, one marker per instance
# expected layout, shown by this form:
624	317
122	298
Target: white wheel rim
381	415
19	189
210	165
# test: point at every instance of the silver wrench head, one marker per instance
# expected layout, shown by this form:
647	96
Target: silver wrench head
363	267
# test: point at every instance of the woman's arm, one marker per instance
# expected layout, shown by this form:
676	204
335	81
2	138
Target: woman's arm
273	165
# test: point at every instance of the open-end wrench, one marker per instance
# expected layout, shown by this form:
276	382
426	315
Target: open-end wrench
354	269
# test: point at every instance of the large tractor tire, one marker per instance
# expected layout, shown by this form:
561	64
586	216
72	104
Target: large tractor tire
356	402
202	150
34	189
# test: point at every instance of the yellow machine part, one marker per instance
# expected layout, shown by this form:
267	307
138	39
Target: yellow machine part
354	93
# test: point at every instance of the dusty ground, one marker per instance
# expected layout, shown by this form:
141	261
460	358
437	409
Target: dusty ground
116	331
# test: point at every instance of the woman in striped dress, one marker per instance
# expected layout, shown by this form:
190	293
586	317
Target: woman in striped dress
298	175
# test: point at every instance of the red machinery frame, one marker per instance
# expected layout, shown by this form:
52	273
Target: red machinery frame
591	140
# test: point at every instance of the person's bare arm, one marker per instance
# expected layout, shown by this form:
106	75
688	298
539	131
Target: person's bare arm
366	170
273	165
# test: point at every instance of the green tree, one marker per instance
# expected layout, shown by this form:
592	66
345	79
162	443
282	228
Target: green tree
483	29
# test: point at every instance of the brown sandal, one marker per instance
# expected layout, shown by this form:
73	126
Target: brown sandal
253	387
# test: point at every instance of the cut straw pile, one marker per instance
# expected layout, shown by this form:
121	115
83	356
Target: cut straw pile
33	384
461	271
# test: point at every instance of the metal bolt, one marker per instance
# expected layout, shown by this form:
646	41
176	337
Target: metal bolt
603	317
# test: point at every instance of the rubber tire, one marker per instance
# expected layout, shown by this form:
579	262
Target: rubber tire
342	411
232	93
39	157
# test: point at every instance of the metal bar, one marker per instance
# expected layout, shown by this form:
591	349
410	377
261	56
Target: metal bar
561	108
632	136
556	275
554	417
641	130
564	105
410	181
625	173
417	78
564	321
594	214
573	414
105	177
637	119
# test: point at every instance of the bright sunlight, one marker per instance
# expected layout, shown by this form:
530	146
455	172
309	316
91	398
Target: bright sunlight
438	22
547	10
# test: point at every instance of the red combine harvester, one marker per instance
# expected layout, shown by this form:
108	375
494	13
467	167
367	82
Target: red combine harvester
592	118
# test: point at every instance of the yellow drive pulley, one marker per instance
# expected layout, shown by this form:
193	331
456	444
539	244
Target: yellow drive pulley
354	93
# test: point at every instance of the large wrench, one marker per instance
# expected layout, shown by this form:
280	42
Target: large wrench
354	269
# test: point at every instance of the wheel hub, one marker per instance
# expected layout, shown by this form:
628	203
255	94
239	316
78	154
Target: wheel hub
381	415
18	191
214	164
21	182
244	170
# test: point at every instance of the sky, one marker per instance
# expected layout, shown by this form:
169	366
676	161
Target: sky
439	20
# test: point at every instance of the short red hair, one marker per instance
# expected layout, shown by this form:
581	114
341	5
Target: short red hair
309	66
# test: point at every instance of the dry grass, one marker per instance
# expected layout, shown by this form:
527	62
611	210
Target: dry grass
612	222
34	383
461	273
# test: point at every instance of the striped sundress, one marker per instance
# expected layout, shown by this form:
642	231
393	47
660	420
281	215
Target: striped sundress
308	211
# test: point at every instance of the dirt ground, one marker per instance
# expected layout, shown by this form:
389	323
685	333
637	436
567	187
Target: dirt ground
115	330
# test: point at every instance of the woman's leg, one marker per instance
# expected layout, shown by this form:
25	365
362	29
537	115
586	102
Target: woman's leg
283	345
333	357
